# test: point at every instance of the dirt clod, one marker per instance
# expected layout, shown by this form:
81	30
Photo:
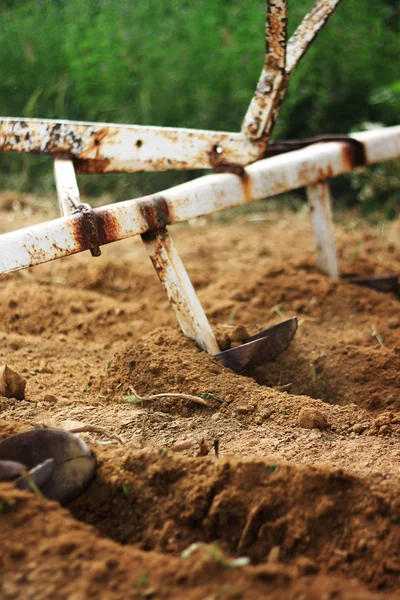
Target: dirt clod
313	419
238	334
12	385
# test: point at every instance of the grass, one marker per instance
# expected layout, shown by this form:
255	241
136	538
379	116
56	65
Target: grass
143	581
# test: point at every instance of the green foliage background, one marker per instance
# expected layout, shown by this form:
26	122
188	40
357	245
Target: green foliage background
186	63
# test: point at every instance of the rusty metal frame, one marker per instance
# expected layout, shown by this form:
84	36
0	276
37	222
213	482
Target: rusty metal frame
241	174
203	196
106	148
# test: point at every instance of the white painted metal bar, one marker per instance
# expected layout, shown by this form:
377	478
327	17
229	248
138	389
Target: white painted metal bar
203	196
319	201
181	294
109	147
67	185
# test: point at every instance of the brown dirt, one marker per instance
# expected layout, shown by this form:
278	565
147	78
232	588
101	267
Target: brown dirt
316	512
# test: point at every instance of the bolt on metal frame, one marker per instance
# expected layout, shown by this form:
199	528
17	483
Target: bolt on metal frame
242	174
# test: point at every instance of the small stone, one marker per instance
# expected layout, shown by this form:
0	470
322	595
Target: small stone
66	548
384	429
217	416
185	445
258	420
382	420
223	341
50	398
310	418
359	428
273	555
362	545
12	385
257	302
75	309
394	322
266	414
149	593
239	334
306	566
244	410
229	398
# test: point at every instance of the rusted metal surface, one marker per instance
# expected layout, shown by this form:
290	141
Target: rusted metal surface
280	60
155	212
181	294
69	202
203	196
258	120
89	235
107	148
319	201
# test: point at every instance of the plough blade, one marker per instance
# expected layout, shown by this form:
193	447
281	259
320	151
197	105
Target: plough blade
388	284
57	462
258	349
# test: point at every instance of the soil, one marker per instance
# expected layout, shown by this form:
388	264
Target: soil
235	500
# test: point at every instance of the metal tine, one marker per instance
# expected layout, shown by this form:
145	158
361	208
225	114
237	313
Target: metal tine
308	29
180	291
280	60
258	120
67	185
319	201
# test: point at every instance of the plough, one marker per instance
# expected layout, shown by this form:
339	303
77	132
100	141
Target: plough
246	166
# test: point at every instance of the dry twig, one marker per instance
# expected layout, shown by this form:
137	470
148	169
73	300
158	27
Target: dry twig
168	395
97	429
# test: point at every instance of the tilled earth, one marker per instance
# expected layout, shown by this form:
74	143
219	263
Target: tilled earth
310	513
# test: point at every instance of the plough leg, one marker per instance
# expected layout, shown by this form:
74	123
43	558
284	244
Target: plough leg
181	294
319	200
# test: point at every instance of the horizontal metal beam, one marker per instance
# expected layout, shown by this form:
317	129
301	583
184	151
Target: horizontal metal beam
111	148
203	196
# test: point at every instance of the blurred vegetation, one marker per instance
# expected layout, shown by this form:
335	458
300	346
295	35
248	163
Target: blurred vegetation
191	64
